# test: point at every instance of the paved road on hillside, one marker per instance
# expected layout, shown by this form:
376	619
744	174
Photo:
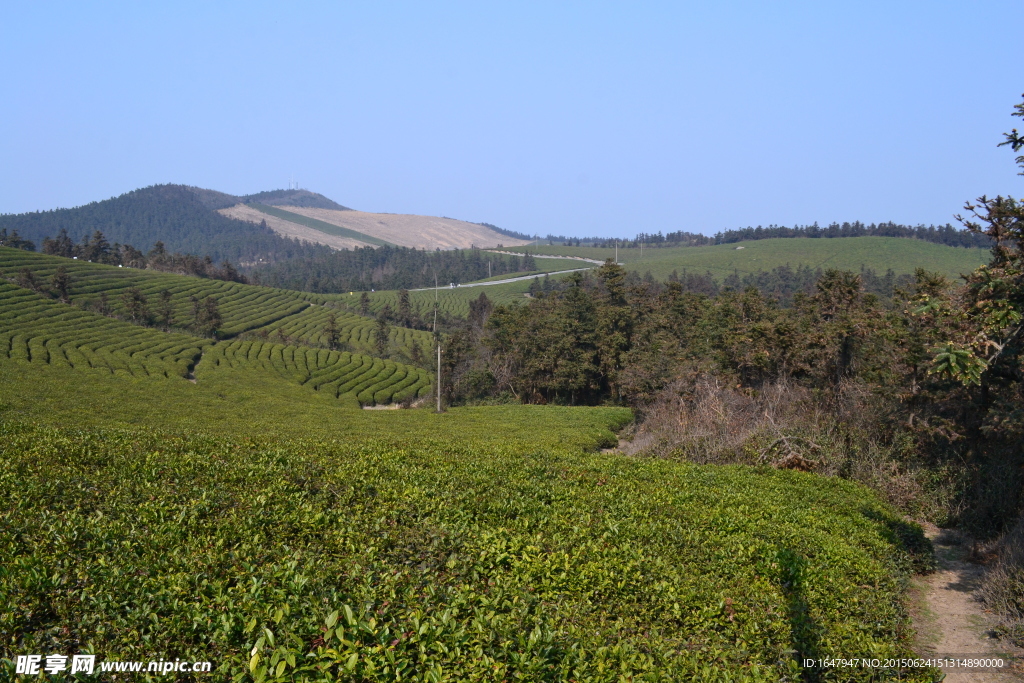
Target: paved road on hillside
568	258
501	282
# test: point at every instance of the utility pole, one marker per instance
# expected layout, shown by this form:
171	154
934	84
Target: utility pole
616	251
439	376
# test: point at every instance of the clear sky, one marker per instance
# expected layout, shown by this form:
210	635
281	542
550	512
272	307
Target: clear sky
579	118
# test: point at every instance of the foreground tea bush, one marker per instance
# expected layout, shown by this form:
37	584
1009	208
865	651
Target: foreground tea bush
437	561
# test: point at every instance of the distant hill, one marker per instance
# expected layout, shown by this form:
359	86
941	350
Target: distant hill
264	227
421	232
302	198
184	218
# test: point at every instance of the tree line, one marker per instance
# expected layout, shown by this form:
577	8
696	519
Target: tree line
914	386
96	249
939	234
387	268
781	284
15	241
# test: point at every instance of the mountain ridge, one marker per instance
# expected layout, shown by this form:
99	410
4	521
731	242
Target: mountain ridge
253	228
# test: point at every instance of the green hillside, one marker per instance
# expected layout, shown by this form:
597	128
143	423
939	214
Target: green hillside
184	218
877	253
451	300
482	544
243	308
39	330
257	519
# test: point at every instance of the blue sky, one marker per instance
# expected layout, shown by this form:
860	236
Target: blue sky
572	118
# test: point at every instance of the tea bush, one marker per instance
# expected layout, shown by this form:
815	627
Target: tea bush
469	558
40	330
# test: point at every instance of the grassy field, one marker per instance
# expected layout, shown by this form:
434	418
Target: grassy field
487	543
877	253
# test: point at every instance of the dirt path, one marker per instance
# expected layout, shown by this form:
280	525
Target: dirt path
191	376
950	621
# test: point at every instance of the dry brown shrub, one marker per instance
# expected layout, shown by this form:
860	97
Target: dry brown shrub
1003	585
702	419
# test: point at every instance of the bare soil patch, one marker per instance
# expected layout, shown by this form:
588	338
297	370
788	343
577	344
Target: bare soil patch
950	619
422	232
285	228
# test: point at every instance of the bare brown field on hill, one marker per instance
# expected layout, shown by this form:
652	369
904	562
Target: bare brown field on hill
285	228
422	232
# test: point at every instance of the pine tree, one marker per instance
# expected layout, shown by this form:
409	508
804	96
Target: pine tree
61	245
61	282
103	305
404	308
211	316
331	331
27	279
383	330
135	305
15	241
96	249
166	310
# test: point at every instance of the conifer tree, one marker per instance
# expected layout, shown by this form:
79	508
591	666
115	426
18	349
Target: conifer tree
135	305
404	308
27	279
211	316
331	331
166	310
61	282
382	331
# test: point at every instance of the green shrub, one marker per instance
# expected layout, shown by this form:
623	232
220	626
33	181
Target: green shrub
438	560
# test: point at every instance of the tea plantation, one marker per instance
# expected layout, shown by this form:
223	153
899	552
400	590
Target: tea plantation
355	331
257	519
451	300
243	308
39	330
436	560
370	380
